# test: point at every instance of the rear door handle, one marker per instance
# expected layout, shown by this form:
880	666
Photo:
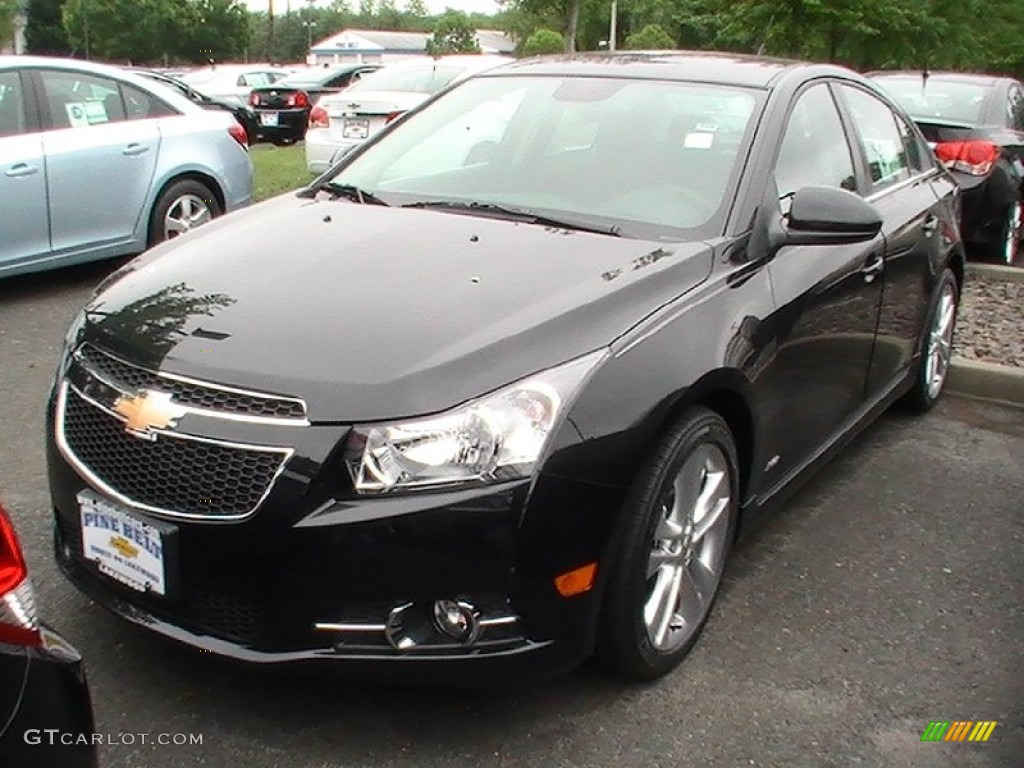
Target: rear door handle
930	225
20	170
135	149
873	268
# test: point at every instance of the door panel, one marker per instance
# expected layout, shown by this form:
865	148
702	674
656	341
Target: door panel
99	163
826	303
24	220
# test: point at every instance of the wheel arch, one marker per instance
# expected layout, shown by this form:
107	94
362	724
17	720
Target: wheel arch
727	393
194	175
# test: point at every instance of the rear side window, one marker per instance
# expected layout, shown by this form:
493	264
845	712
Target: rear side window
916	153
12	105
880	138
814	149
140	105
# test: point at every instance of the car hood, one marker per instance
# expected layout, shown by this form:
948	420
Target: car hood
372	102
372	313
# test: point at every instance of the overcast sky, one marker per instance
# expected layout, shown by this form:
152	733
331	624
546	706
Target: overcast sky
434	6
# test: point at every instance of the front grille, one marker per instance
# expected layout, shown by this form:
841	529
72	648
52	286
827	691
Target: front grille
172	474
132	379
228	616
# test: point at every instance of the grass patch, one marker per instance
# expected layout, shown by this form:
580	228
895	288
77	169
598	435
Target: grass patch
278	169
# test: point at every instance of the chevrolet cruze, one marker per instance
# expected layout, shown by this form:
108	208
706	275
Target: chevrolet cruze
498	391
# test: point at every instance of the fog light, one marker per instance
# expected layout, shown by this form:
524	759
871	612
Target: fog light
457	619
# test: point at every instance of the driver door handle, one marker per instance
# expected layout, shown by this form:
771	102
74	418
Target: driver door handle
135	149
873	268
21	169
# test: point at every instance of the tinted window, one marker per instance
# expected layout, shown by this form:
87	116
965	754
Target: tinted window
12	105
814	150
78	100
915	152
937	99
879	137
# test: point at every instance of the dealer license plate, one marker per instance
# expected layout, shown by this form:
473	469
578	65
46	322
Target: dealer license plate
122	546
268	118
356	129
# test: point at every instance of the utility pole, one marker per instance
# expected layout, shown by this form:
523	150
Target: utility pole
271	42
614	25
85	25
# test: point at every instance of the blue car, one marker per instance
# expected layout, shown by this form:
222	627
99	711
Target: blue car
96	162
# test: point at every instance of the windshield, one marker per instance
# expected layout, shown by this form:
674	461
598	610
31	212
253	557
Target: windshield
308	78
636	157
421	78
934	99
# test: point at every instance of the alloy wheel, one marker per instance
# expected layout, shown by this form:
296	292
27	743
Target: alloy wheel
940	341
186	213
688	553
1012	236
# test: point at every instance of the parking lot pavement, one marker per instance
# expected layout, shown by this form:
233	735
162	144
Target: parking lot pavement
885	595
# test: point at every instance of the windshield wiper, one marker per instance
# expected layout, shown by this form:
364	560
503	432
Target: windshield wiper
519	214
349	191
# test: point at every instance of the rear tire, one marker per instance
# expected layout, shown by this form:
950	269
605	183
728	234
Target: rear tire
1008	249
678	525
183	206
936	346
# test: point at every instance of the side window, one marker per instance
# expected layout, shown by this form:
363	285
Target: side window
915	153
1016	107
814	150
883	145
139	105
78	100
12	105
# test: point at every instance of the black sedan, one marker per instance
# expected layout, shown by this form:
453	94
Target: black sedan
976	125
245	116
45	710
282	109
538	351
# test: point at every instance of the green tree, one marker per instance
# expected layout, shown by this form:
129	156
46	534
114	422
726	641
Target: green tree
543	41
651	38
417	9
9	10
217	29
453	34
45	33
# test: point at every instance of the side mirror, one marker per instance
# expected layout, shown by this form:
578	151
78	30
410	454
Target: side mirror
828	216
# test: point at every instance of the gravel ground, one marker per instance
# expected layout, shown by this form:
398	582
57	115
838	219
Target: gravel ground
991	322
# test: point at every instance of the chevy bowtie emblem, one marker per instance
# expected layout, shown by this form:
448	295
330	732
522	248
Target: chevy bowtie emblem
124	547
148	411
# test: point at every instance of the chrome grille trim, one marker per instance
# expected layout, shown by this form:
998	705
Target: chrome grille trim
100	485
298	405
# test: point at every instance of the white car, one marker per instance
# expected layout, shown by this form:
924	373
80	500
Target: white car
233	82
341	122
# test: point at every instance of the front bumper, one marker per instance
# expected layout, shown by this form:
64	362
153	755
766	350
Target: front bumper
256	589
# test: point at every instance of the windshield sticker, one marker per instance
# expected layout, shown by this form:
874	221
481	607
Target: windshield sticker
699	140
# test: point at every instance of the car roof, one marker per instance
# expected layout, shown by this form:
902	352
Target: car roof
698	66
137	79
949	77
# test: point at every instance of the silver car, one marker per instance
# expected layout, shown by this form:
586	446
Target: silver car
96	162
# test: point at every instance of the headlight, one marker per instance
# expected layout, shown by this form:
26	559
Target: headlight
497	437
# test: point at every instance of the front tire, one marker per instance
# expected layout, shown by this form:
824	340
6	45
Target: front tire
183	206
937	346
678	526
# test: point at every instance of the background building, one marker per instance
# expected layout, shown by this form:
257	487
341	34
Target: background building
365	45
